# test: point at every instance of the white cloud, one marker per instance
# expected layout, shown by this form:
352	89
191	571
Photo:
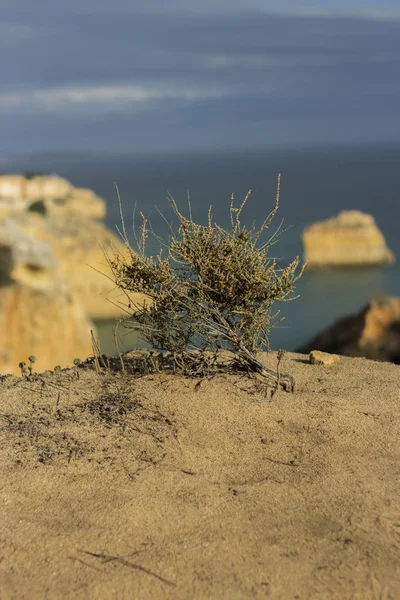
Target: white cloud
373	10
253	61
332	9
113	97
222	61
381	14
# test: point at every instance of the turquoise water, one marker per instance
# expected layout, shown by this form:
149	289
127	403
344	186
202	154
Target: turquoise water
316	184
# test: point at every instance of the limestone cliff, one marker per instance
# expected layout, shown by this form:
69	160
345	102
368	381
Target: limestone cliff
351	238
49	324
79	247
38	313
54	274
374	333
19	193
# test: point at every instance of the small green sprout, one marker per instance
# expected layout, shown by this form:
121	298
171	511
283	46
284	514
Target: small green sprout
24	372
77	362
32	360
281	354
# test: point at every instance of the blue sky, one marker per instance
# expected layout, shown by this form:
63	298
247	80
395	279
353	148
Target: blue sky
155	76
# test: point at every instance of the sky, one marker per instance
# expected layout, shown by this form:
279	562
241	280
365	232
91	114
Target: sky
142	76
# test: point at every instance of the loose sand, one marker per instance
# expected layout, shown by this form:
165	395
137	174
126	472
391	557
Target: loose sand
163	487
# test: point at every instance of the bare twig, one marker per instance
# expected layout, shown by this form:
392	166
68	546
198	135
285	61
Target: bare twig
107	558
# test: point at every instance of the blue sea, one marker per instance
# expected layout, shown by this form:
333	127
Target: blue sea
316	184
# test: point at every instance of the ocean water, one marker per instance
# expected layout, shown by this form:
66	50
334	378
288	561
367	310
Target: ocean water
316	184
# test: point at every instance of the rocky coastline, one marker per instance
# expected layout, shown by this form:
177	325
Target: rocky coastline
55	277
54	271
373	333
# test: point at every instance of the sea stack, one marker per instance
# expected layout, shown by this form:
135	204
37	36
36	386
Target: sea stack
350	239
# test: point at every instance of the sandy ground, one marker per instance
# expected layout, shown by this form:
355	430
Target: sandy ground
116	487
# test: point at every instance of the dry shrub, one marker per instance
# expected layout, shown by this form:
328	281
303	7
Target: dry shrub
213	289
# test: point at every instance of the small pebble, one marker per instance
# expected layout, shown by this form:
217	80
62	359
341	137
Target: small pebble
323	358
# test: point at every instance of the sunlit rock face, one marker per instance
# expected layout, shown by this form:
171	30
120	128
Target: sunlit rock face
38	313
46	219
49	324
55	275
374	333
351	238
80	247
19	193
23	256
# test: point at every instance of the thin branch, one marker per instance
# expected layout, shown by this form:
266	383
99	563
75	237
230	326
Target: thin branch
127	563
125	236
